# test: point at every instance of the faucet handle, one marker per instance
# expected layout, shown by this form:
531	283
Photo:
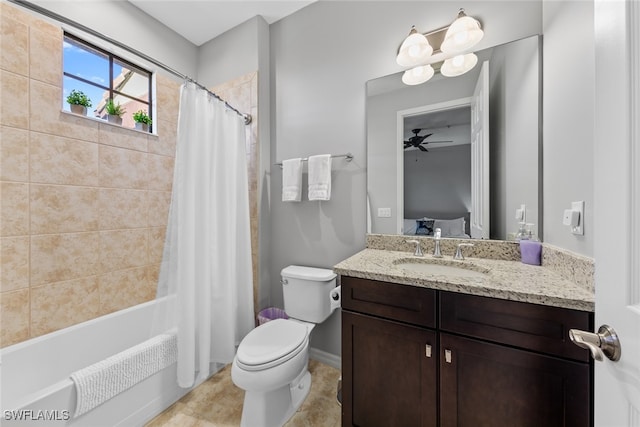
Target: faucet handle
418	251
437	233
458	254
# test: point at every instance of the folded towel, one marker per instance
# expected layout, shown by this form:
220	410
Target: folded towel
320	177
292	180
99	382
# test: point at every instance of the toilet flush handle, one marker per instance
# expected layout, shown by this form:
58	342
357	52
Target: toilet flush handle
336	295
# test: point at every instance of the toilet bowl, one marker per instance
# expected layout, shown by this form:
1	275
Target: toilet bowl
271	364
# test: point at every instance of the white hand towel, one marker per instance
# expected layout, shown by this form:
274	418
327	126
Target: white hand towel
320	177
292	180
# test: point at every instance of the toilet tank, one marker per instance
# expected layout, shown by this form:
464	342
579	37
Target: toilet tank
307	291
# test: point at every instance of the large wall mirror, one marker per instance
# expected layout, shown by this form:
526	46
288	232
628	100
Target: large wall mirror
421	169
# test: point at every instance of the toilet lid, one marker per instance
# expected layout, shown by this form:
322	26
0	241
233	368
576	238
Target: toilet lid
270	342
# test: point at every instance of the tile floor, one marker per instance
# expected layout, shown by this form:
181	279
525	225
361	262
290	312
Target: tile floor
218	403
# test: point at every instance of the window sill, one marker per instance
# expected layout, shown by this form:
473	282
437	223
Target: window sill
106	122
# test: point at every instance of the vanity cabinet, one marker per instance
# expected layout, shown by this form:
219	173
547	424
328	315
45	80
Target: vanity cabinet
419	357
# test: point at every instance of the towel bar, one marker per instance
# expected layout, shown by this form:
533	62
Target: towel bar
348	157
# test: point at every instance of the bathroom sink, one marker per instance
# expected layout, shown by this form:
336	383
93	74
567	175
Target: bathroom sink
441	267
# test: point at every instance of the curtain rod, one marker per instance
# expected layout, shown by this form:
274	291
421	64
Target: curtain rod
79	26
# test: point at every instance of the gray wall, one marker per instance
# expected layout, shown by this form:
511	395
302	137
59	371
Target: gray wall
321	58
568	109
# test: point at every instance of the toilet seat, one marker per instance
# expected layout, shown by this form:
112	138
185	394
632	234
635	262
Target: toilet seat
271	344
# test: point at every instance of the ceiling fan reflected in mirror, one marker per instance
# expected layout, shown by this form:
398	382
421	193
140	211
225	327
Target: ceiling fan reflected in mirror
418	141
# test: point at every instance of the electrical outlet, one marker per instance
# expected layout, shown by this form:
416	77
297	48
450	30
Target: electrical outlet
384	212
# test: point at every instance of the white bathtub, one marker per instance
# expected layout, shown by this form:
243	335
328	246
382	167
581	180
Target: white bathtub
35	383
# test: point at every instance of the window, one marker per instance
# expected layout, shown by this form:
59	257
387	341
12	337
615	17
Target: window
103	76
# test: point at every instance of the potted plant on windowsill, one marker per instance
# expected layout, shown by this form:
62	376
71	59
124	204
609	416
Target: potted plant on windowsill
142	120
78	102
114	112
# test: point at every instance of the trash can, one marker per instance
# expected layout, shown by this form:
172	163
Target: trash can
271	313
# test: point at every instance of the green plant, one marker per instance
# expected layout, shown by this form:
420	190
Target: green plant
114	109
78	97
141	116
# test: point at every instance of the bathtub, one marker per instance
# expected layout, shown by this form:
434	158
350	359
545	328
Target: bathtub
35	388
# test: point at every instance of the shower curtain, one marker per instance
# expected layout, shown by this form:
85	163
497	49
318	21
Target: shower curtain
206	269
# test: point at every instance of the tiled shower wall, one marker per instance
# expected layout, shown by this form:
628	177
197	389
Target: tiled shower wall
83	204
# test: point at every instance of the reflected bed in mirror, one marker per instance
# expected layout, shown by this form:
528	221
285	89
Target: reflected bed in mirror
435	181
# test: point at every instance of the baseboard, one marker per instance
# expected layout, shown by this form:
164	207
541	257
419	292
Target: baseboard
326	358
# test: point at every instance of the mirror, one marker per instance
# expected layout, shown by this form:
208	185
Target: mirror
406	183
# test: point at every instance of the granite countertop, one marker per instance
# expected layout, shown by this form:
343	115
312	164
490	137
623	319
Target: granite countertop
509	280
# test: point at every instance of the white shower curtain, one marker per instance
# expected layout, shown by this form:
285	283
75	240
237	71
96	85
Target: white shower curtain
206	268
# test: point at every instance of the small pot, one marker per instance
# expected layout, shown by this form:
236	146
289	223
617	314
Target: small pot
142	126
78	109
112	118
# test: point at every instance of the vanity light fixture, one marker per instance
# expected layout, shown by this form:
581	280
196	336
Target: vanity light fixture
449	46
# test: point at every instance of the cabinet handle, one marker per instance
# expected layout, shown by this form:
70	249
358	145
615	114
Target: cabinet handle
427	350
447	356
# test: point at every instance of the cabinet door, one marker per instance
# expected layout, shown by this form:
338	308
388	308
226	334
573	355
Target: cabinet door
389	373
483	384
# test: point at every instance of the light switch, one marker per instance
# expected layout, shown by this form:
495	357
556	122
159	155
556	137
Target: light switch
384	212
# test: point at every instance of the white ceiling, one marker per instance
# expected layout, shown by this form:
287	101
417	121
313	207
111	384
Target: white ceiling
202	20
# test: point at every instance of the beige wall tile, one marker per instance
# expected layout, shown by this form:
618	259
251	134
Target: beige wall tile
14	46
156	244
59	160
159	202
121	249
122	168
14	317
165	143
58	305
123	138
45	54
123	209
14	209
47	116
122	289
14	105
14	263
16	13
60	257
14	154
160	172
63	209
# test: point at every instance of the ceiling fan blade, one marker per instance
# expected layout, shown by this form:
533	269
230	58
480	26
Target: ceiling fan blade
436	142
422	148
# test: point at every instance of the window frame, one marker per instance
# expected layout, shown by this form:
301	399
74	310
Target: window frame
117	59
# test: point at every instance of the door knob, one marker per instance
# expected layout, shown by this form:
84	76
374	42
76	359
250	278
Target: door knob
604	343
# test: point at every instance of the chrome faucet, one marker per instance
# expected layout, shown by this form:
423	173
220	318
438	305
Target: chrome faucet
418	251
458	254
436	236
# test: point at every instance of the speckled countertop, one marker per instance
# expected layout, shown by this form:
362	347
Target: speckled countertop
504	279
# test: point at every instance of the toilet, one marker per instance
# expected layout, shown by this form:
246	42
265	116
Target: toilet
271	364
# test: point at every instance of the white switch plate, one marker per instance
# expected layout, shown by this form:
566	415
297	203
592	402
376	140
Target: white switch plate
384	212
578	229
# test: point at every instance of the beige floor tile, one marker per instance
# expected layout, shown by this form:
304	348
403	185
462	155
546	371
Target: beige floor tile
218	403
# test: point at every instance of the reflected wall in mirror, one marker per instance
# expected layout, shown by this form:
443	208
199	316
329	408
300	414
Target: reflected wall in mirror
435	182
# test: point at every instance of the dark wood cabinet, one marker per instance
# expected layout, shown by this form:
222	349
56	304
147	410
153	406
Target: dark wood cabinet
485	384
413	356
392	373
